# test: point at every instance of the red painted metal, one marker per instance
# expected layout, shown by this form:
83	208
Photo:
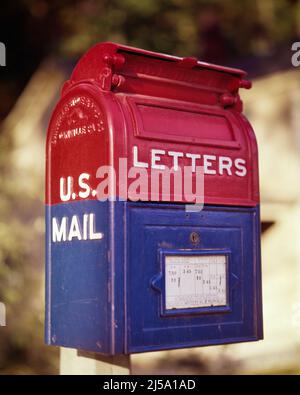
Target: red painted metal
120	97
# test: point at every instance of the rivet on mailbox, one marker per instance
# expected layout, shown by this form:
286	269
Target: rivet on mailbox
129	267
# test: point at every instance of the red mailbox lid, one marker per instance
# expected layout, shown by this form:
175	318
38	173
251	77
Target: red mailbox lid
158	114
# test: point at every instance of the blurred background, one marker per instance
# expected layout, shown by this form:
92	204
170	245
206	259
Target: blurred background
44	39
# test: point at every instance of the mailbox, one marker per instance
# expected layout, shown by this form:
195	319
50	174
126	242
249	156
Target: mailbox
129	267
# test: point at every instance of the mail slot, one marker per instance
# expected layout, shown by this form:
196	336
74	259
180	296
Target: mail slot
134	266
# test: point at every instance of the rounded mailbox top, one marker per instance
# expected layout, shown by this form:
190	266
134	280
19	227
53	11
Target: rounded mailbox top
151	115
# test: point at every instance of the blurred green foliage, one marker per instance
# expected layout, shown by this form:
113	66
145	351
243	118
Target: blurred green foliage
247	27
21	274
215	30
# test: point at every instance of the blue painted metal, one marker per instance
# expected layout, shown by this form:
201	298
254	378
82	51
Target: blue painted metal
108	295
165	229
78	313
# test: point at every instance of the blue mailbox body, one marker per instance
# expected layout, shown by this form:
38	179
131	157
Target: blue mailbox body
126	276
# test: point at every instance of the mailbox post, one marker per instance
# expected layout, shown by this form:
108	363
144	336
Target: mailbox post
129	268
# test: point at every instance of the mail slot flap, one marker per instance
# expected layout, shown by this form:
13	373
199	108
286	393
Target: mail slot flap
131	70
178	121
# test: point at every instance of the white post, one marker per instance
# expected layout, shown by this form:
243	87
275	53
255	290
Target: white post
74	362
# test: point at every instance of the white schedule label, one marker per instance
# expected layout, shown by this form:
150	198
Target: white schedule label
195	281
